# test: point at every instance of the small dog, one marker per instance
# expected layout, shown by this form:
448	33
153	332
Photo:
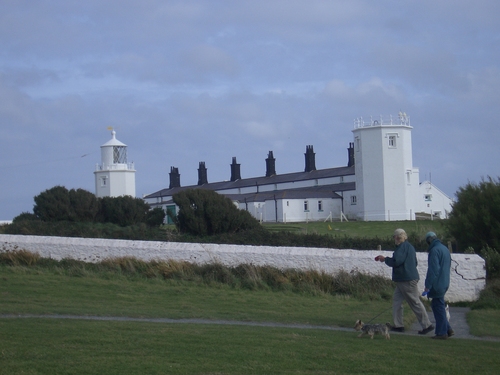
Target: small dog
372	329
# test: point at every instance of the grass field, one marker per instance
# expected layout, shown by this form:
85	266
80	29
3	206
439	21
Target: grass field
78	346
366	229
45	346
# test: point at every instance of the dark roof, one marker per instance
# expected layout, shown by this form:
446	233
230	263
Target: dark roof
322	191
258	181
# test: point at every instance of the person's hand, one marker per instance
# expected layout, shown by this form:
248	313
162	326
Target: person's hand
380	258
426	290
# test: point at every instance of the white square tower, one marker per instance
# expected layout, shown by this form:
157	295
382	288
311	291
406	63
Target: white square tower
386	182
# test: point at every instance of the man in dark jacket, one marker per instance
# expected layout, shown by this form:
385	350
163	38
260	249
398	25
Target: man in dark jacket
437	283
405	274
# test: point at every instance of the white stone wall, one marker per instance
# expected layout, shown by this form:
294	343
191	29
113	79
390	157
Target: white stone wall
468	276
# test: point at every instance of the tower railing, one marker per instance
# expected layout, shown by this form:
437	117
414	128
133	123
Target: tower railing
402	119
115	167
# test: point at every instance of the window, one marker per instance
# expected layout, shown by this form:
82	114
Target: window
320	205
428	197
392	141
119	154
353	199
306	205
358	144
288	203
104	181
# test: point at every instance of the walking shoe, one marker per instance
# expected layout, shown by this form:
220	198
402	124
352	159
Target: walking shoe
451	332
396	329
426	331
440	337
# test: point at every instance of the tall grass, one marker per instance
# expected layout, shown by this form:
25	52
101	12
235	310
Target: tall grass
244	276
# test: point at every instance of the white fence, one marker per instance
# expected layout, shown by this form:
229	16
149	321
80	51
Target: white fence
468	276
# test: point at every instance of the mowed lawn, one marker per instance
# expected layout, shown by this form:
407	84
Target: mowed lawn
51	346
77	346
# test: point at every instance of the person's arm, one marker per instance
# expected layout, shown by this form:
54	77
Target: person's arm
432	269
398	257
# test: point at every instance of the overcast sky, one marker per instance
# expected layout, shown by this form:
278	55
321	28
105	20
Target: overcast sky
189	81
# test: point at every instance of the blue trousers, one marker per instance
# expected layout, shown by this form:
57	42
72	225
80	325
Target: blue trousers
439	309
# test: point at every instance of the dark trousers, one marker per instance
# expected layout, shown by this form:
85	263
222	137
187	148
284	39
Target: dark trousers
439	309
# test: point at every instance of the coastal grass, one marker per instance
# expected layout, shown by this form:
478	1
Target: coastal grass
46	306
43	291
361	229
63	346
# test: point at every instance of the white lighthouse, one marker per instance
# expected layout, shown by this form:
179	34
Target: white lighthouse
114	177
387	184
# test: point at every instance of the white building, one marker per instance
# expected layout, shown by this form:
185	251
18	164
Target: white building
114	177
386	181
379	183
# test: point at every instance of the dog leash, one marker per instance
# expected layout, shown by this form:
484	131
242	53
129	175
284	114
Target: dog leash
378	315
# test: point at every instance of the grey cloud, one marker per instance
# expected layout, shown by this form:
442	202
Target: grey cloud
189	81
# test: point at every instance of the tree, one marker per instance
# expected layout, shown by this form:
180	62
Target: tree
475	217
205	212
123	211
61	204
53	205
84	205
155	217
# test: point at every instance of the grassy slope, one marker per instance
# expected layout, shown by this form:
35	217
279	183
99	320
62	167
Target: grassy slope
52	346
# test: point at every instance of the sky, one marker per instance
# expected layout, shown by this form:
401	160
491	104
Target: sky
188	81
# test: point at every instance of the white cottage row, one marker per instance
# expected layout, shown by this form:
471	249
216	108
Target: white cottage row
379	183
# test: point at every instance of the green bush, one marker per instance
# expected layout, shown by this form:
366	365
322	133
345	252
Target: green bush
123	211
155	217
60	204
84	205
492	258
140	232
475	218
205	213
53	205
489	298
25	216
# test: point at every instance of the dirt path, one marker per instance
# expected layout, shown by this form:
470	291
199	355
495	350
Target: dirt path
457	320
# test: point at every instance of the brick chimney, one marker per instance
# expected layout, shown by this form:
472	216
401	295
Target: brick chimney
202	174
350	155
175	178
235	170
310	159
270	165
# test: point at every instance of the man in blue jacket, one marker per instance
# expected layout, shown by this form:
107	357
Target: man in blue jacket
437	283
405	275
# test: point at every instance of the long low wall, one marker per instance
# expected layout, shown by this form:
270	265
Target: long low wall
468	275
